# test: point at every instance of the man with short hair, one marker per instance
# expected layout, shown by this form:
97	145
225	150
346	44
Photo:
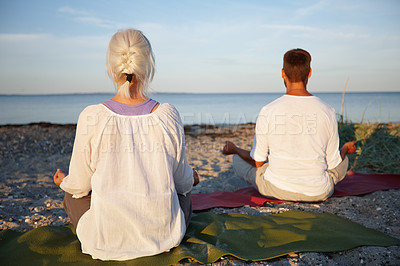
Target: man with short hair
295	154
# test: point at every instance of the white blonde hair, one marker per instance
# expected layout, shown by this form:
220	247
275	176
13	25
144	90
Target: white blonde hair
129	53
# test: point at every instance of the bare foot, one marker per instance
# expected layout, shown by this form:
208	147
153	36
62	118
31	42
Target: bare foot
229	148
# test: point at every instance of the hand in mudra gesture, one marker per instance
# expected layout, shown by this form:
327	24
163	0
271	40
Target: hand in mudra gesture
58	177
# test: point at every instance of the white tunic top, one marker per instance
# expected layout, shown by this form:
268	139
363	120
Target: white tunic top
299	135
134	166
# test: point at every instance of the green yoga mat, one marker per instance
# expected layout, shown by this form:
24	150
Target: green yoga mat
208	237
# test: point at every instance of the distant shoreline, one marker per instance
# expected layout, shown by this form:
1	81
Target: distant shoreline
228	108
196	93
189	127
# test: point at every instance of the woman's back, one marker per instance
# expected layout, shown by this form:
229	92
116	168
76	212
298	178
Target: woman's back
129	182
135	163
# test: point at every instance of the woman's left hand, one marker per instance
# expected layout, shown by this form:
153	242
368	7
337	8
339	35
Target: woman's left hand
58	177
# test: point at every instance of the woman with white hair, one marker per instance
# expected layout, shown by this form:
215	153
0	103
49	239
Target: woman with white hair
129	183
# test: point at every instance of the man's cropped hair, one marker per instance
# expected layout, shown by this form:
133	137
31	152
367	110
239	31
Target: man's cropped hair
296	64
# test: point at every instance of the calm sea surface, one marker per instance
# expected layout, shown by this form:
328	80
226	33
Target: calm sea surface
196	108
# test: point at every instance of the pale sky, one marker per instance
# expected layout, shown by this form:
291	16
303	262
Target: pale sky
207	46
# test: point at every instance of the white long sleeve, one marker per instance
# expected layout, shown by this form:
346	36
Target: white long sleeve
134	166
81	168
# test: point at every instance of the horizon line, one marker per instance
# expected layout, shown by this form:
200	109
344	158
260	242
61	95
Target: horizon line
154	93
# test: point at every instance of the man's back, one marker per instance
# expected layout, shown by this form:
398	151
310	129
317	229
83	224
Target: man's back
300	133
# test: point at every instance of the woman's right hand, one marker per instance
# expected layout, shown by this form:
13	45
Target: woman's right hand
58	177
196	177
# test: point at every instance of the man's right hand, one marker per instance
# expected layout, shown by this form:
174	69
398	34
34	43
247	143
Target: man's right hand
347	148
351	147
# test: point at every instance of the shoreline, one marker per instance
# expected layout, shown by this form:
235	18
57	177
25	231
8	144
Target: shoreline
216	125
191	93
30	154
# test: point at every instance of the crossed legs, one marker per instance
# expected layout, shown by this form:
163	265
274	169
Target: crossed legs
75	208
245	169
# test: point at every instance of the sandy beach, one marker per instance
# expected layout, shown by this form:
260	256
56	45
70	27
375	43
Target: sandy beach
30	154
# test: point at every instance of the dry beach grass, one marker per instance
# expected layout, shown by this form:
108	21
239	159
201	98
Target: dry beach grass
30	154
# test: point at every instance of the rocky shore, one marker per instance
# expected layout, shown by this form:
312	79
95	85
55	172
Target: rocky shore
30	154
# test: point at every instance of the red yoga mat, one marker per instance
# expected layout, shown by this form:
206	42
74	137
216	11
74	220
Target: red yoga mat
352	185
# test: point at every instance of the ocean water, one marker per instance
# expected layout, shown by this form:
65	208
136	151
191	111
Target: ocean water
197	108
